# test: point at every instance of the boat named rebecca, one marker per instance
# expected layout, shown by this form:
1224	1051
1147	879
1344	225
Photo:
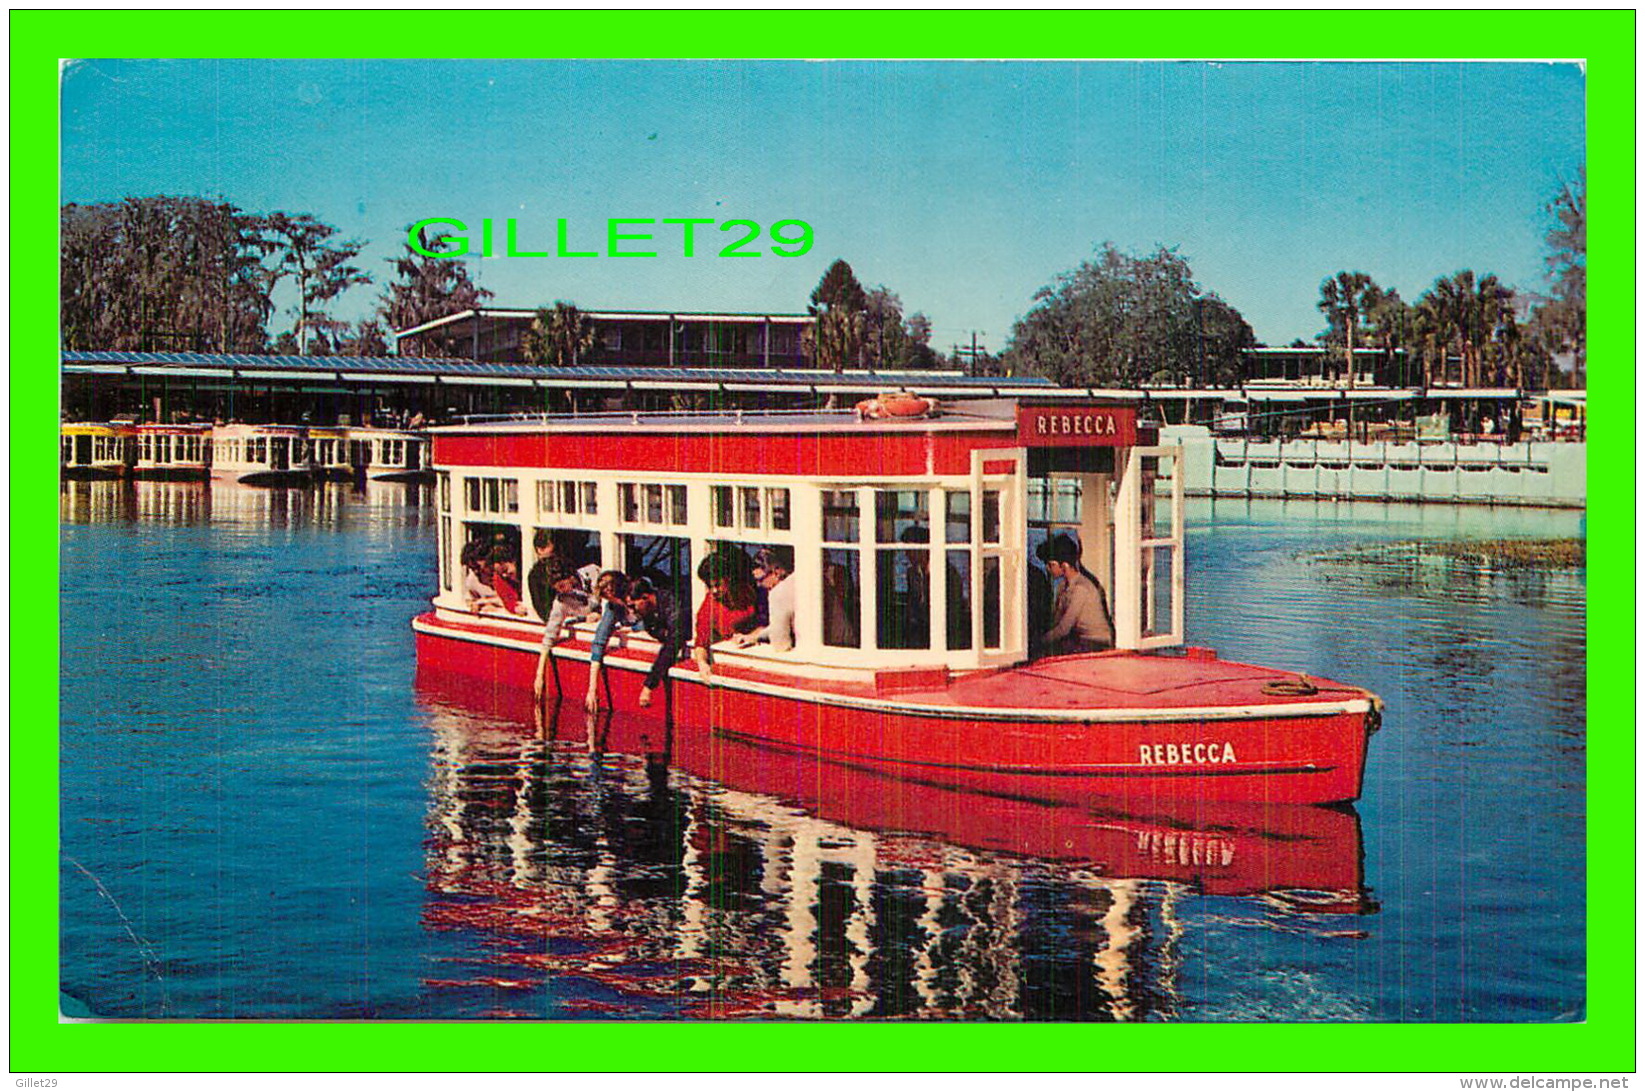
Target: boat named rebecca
935	515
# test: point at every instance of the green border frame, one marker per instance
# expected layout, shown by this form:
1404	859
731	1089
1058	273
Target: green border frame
1605	1042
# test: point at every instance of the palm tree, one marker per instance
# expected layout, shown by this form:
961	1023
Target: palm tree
558	336
1347	299
1475	316
1389	327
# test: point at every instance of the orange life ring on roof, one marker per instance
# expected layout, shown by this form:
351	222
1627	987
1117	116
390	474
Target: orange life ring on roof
895	404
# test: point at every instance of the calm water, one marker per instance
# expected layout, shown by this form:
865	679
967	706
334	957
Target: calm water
266	814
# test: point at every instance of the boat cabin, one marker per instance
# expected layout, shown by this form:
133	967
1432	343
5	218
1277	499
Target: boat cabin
173	451
258	453
914	540
387	453
325	451
91	450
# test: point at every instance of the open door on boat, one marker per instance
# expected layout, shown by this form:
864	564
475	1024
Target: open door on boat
1148	573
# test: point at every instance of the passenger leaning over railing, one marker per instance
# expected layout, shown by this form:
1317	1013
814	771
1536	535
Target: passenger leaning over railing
549	548
573	602
661	614
612	589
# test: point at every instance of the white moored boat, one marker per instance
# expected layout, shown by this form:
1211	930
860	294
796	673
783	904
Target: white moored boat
258	454
173	451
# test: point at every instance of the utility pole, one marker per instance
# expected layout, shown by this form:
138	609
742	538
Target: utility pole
970	355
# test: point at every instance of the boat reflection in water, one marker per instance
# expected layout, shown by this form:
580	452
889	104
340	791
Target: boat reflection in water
231	502
603	868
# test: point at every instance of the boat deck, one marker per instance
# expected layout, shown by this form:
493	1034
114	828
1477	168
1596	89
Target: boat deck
1061	686
1068	685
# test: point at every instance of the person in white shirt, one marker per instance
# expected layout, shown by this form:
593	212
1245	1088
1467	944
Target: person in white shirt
772	569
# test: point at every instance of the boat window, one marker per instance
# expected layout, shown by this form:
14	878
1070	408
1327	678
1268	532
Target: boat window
1053	500
652	504
992	586
959	516
840	522
991	515
904	597
842	596
777	502
568	498
751	508
902	515
663	559
496	495
959	599
445	491
720	502
1156	591
445	551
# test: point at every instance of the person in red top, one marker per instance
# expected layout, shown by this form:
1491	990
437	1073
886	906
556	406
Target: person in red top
505	580
728	608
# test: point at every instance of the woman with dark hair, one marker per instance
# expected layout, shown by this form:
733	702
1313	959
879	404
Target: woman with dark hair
1080	621
729	606
478	591
505	579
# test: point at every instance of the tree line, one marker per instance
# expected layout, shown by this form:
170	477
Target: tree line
1122	320
183	273
154	274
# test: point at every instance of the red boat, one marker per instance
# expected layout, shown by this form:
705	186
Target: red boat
916	597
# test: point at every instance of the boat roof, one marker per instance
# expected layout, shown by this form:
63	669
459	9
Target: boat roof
961	415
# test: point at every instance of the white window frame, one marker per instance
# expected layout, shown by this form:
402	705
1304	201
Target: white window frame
1130	549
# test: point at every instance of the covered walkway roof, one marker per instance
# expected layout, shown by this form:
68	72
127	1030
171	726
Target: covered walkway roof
454	370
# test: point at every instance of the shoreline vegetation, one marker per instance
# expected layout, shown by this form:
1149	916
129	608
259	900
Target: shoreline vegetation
1489	553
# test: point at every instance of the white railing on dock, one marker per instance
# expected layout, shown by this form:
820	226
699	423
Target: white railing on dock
1530	473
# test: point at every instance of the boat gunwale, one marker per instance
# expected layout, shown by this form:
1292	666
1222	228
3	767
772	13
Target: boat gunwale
430	625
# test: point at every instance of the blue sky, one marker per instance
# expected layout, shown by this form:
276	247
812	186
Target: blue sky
962	186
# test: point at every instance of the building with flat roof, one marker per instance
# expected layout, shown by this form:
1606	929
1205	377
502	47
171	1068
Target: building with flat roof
643	339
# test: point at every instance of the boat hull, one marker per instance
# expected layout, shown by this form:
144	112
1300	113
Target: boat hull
94	473
1145	757
264	476
171	473
398	474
